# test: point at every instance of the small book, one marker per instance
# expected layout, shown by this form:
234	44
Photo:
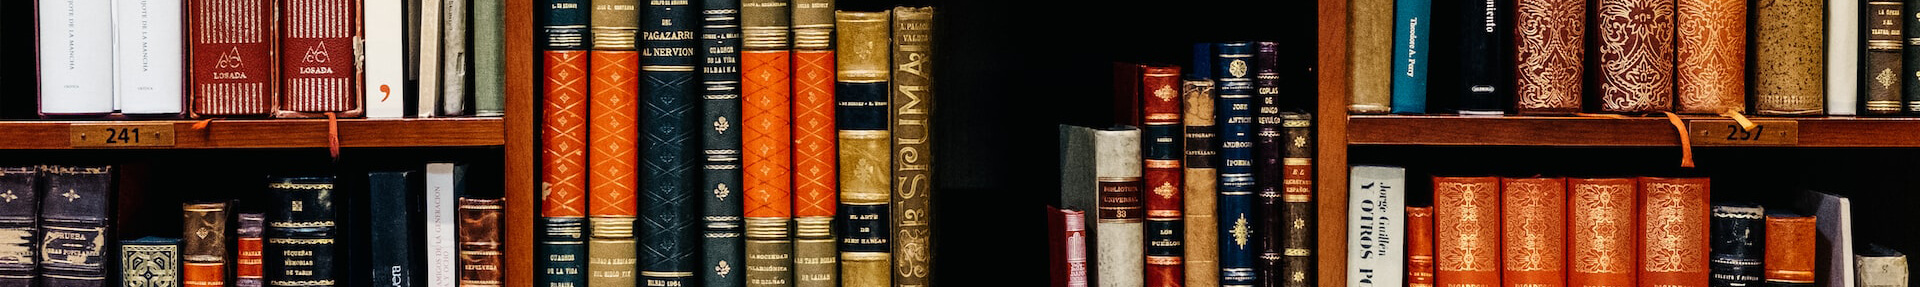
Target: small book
911	104
393	228
1419	246
1879	266
203	251
1673	216
75	57
444	182
1843	56
1636	73
1462	209
1789	71
1601	245
1738	243
319	59
1101	169
480	242
815	169
864	46
1712	57
1550	64
233	68
1533	214
19	257
148	61
249	262
385	68
1370	67
301	234
1835	244
1067	244
74	225
149	261
1790	250
1880	76
1376	201
1201	172
1412	21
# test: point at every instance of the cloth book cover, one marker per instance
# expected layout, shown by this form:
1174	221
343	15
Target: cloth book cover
319	58
489	70
1790	250
480	242
1161	169
1636	55
722	242
1879	266
1066	247
1419	246
814	158
1412	26
1674	215
150	261
1533	231
1549	56
1789	63
1200	172
148	57
75	57
670	155
19	256
203	244
301	234
1376	208
1233	106
1712	55
1738	239
1102	169
864	45
74	220
1369	36
234	66
911	104
1464	209
1880	71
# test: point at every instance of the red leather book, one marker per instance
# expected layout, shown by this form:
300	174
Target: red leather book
1534	216
1466	215
1713	56
563	136
233	67
318	58
613	131
1419	246
1067	247
1160	109
1674	215
249	264
1636	55
766	138
1601	231
1790	249
814	169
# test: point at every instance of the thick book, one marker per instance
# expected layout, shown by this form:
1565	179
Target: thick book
767	154
1419	240
1789	63
1412	26
249	268
1712	55
1879	266
1376	204
1268	148
319	58
234	67
19	256
489	58
864	46
1233	104
75	57
1066	247
1101	169
1843	55
148	57
74	225
392	227
455	57
1601	225
424	52
1370	67
1738	243
1835	244
1297	209
722	242
203	241
563	176
815	183
670	158
1161	172
1463	209
1549	59
150	261
1636	59
444	182
1200	171
1533	214
301	232
1910	60
480	242
1485	44
1880	71
385	50
1790	249
1674	231
911	104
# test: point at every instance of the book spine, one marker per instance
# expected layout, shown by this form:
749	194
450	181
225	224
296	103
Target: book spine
563	252
912	128
1162	176
767	154
1200	182
1117	165
1127	96
300	232
1463	209
233	65
249	263
74	231
76	57
454	57
441	208
1376	203
671	156
318	50
1636	68
565	24
1412	21
1712	57
1790	251
480	243
1234	105
18	233
1600	225
1419	246
564	161
1549	56
147	47
864	42
610	252
385	68
814	159
1533	231
1370	32
1789	70
204	243
1267	151
1673	231
149	261
1297	193
1736	253
723	243
1067	239
1843	56
1485	44
1882	71
1880	267
613	173
489	72
1910	59
391	202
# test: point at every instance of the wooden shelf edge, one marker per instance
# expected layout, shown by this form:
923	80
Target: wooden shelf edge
1823	132
277	133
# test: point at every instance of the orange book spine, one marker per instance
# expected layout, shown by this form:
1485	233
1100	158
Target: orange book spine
197	274
614	134
1466	231
767	137
1534	213
1601	227
563	135
1419	246
1790	249
814	168
1674	215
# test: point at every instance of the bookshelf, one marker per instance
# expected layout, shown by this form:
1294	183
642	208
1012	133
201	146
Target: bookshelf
1607	132
274	133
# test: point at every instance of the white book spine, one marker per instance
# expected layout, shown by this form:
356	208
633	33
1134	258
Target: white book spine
1843	57
454	58
443	247
76	56
148	62
386	69
1122	246
1376	241
429	66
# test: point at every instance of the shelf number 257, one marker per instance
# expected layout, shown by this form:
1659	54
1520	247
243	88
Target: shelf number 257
1729	133
1735	133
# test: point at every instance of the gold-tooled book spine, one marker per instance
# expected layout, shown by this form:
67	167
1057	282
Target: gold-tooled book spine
611	261
769	252
614	24
911	106
1202	181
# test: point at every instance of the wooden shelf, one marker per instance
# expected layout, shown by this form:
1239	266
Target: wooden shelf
1608	132
277	133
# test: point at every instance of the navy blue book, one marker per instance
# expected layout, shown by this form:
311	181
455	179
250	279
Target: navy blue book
1234	99
1412	21
721	207
73	225
668	159
564	24
393	209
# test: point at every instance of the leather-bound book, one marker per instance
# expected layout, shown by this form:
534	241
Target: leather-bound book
1533	231
670	158
1636	55
233	67
203	252
249	269
1369	46
722	244
19	186
1233	106
1376	206
1549	56
1712	58
911	104
1267	151
1465	231
611	252
75	57
300	232
1297	210
1101	168
1789	63
866	166
1910	62
318	55
1880	74
767	154
1066	247
1161	157
815	183
1485	44
613	145
74	225
1419	246
1601	231
150	261
393	203
562	252
1673	231
1737	244
480	242
563	175
1200	172
1790	249
1879	266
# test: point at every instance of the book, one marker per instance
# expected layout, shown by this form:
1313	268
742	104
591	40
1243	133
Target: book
148	61
1880	73
1297	192
1738	242
1636	60
1199	165
1843	56
480	242
203	240
1161	173
1376	203
1533	231
1879	266
1673	231
610	252
1101	169
1712	54
75	57
300	232
722	242
1601	247
911	103
19	256
1485	44
426	50
74	225
1789	67
1835	231
1790	249
455	60
319	58
563	151
767	154
385	67
612	161
1419	246
815	183
489	56
562	251
1233	106
1268	150
1369	38
233	67
249	246
393	204
864	44
670	157
1126	93
1067	247
1462	215
1549	56
443	184
1910	66
150	261
1412	23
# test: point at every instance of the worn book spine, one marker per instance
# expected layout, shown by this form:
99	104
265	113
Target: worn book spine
1712	55
1636	57
1369	43
489	71
234	66
1067	247
1234	107
147	48
440	205
613	140
1879	266
1118	170
149	261
393	201
1412	21
611	252
480	242
300	232
1533	231
722	242
864	44
564	168
1880	76
386	56
1465	231
1419	246
1201	173
1843	55
1673	231
455	58
1267	151
1297	211
1910	60
766	106
75	57
1161	160
74	229
1790	249
249	249
1485	45
1549	56
911	103
318	51
670	157
203	251
815	183
1376	204
18	233
1600	227
1789	63
1737	244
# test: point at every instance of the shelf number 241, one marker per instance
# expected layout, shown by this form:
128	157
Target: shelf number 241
110	135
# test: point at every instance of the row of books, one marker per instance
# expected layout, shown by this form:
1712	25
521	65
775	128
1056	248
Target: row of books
270	58
1555	57
56	226
1214	186
1645	231
745	143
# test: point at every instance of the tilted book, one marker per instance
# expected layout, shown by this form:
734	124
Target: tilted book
319	58
1376	206
75	57
1200	171
1549	59
301	234
1101	169
441	208
1533	231
1067	247
234	66
1601	220
1790	249
1369	49
1879	266
1162	171
489	56
249	262
150	261
1486	43
1466	230
1636	55
1712	55
723	243
864	44
1673	231
1880	74
480	242
1738	240
766	109
1297	210
1419	246
1835	244
203	251
1789	63
1843	55
815	258
148	57
670	157
385	68
19	255
911	104
563	163
1412	21
455	58
73	224
1234	110
1268	148
393	230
